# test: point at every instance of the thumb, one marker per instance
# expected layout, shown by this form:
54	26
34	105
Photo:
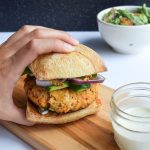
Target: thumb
18	116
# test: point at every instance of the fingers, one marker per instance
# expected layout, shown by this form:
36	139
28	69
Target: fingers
9	47
44	33
36	47
24	30
28	33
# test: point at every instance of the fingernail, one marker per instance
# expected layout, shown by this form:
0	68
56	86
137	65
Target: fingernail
69	47
75	41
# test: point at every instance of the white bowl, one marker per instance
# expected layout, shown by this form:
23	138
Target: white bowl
124	39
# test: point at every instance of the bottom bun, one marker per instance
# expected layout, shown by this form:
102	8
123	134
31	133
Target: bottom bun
53	118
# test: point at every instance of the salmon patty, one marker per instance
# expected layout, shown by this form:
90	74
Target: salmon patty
63	100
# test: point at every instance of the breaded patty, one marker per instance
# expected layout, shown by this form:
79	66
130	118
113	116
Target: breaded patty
60	101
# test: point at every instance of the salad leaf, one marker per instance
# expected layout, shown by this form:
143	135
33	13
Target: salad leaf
57	87
26	71
144	10
112	16
135	19
79	87
73	86
143	18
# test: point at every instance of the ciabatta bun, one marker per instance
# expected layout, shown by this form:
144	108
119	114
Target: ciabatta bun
83	61
53	118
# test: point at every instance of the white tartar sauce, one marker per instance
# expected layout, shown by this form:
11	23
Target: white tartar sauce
128	137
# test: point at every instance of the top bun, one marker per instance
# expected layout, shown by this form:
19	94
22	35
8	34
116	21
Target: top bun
81	62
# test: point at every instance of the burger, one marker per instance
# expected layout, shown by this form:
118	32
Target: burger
62	87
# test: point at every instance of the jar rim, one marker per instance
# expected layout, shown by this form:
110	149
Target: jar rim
120	88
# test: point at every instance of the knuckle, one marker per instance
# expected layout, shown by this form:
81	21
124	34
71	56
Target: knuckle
65	34
25	28
38	32
5	53
57	44
32	46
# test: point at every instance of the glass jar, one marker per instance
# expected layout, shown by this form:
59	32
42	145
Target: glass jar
130	114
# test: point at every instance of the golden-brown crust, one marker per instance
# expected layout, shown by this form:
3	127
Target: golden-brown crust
54	118
83	61
94	58
60	101
66	100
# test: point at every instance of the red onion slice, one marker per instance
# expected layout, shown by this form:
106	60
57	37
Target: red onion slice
43	83
98	79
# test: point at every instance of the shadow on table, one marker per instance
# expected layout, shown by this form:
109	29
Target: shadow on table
100	46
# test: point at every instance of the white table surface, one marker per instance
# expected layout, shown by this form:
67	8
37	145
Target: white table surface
122	69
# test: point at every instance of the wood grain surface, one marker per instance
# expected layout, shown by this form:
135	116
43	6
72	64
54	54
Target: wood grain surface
91	133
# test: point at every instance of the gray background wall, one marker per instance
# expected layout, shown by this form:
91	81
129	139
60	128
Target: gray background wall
66	15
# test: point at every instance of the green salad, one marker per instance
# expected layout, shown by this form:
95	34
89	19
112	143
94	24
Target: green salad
124	17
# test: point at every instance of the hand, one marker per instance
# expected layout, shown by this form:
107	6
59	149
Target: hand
17	53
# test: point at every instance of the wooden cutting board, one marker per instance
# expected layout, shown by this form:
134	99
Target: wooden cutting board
91	133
